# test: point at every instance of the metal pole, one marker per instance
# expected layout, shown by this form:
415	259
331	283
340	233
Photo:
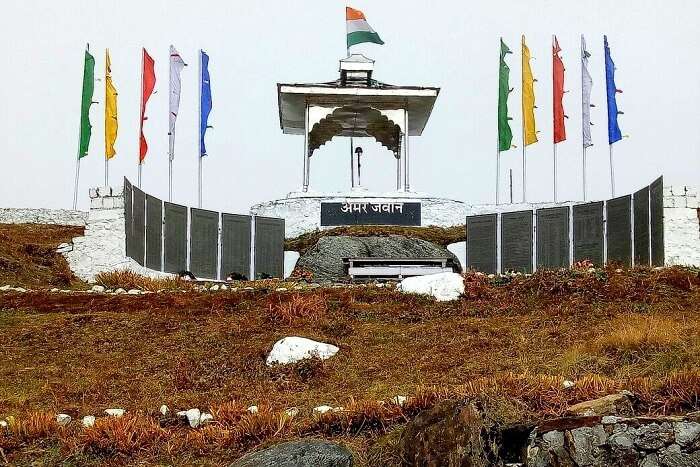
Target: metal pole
77	176
524	168
199	165
511	186
143	62
398	170
359	165
106	172
612	172
352	163
106	155
555	171
584	173
498	172
306	150
407	185
170	180
308	153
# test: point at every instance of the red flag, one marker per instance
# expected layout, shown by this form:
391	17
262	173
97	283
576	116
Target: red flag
558	93
148	82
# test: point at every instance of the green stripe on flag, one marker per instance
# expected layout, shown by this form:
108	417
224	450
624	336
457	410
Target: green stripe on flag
88	90
358	37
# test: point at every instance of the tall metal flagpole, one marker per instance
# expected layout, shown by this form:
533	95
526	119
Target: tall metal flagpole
498	144
612	172
522	113
583	143
554	143
106	155
199	191
80	138
140	128
171	154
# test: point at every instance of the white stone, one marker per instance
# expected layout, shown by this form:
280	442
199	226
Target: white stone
119	291
55	289
63	419
214	288
568	384
291	412
223	287
115	412
134	292
459	249
321	409
97	288
444	286
88	421
3	424
293	349
5	288
290	262
164	410
206	418
681	237
281	289
399	400
193	417
19	289
253	409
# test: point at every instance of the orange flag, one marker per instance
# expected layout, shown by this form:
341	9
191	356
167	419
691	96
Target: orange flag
558	93
148	82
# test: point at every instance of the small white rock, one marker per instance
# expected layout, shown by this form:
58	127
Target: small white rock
206	418
114	412
293	349
3	424
119	291
193	417
97	288
567	384
399	400
134	292
63	419
20	289
88	421
5	288
253	409
223	287
321	409
55	289
214	288
281	289
164	410
291	412
444	286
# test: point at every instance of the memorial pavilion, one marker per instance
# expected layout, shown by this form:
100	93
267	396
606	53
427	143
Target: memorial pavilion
356	105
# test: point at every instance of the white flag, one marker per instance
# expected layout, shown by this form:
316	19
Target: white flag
176	66
586	85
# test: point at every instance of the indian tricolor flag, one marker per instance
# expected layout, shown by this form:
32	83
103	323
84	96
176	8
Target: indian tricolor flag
359	30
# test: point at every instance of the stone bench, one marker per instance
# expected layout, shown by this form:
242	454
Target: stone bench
365	268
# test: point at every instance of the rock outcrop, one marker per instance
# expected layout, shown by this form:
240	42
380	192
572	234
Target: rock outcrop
325	259
302	453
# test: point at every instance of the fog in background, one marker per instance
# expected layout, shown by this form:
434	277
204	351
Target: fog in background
254	45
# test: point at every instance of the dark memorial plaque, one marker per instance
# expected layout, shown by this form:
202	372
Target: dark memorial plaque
516	241
235	244
370	213
154	233
553	237
269	247
656	209
139	225
481	243
641	227
204	243
128	218
588	232
618	219
175	238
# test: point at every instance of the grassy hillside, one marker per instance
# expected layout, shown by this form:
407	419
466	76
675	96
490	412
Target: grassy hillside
509	341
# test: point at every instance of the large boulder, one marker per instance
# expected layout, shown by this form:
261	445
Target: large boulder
325	259
302	453
444	286
293	349
612	404
451	433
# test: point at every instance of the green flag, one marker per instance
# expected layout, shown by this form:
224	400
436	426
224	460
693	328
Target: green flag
88	89
505	135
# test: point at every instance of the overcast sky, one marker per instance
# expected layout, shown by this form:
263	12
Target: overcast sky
254	45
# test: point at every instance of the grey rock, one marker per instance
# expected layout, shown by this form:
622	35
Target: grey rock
554	439
651	460
621	440
324	259
302	453
654	436
686	432
672	456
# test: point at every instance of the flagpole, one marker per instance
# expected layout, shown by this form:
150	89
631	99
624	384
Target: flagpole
554	155
612	172
80	138
583	143
498	170
106	155
584	172
199	184
143	63
554	142
522	120
171	134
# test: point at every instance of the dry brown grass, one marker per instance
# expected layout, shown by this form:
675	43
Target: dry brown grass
128	280
297	308
641	334
111	436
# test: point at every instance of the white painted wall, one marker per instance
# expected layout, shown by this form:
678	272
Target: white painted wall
42	216
681	226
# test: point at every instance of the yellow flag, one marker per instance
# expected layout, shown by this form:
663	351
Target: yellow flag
111	124
529	131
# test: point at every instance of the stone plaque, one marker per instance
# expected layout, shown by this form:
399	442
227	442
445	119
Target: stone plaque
204	243
370	213
618	219
138	218
481	243
175	238
128	218
553	237
516	241
656	210
641	227
269	247
588	232
154	233
235	245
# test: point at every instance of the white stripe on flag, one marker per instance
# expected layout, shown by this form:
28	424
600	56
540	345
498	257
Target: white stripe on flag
355	25
586	85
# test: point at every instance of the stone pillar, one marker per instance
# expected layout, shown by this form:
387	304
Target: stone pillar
681	226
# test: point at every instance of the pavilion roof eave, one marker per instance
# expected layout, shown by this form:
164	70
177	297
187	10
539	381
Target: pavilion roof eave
293	97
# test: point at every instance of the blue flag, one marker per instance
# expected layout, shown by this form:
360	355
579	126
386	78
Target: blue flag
204	101
614	134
